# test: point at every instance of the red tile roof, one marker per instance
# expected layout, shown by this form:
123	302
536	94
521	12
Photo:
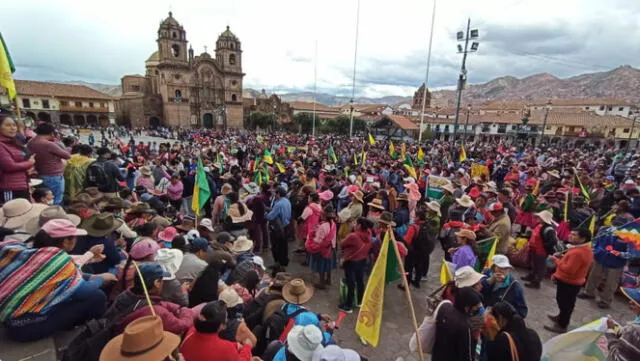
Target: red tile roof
519	104
556	118
59	90
309	106
403	122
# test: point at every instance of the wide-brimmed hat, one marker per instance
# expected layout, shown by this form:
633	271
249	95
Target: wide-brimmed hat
101	224
325	196
62	228
170	260
387	218
403	197
168	234
206	223
226	189
145	171
448	187
335	353
160	222
252	188
304	341
466	277
140	208
83	199
546	217
466	233
94	193
15	213
465	201
434	206
357	195
143	247
554	173
53	212
242	244
115	203
143	339
230	297
377	203
34	182
633	294
297	292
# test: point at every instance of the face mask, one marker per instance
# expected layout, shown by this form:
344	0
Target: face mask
50	202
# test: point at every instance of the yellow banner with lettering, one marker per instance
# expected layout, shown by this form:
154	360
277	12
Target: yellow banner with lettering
478	170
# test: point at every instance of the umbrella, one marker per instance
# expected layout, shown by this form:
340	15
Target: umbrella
586	343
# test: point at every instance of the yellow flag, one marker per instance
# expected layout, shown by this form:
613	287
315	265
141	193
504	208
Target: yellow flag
364	157
355	159
463	155
420	154
392	151
403	150
6	69
370	316
492	253
280	167
372	140
446	275
592	225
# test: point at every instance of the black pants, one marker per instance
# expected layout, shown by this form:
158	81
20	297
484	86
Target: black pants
538	267
354	274
279	246
416	266
6	196
566	295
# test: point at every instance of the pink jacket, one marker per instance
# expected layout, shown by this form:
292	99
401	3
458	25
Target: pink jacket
175	319
13	165
311	216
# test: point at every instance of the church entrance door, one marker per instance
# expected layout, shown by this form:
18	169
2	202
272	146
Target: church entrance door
207	120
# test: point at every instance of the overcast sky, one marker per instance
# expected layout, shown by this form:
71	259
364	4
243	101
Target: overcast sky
99	41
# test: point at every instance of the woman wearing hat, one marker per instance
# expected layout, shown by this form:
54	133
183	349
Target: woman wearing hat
302	343
500	284
310	217
143	250
355	253
351	213
238	216
376	207
466	253
528	203
296	293
320	245
61	296
402	215
146	179
221	204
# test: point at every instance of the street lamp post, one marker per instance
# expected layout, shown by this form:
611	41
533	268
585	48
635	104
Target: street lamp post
466	124
544	122
633	126
462	79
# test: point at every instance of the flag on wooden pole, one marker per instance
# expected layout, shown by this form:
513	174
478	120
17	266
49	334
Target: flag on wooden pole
332	155
201	190
6	69
372	140
463	155
392	151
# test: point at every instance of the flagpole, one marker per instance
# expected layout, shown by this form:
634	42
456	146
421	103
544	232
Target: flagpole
355	59
407	293
426	78
315	89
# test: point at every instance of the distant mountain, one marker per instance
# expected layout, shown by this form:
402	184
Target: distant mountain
620	83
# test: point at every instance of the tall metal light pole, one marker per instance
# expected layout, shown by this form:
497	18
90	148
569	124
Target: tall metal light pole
462	79
544	122
355	59
426	78
633	126
315	83
466	124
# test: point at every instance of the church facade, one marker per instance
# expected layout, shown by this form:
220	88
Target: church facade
183	90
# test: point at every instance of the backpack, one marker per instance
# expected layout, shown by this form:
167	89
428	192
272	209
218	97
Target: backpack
87	341
279	324
549	239
97	175
426	332
425	239
253	311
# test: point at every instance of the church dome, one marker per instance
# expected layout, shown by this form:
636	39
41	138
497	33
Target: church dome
154	56
227	35
170	21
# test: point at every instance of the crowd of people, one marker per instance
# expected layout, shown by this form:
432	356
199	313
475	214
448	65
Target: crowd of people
110	232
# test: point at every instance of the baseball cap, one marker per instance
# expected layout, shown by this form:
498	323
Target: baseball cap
151	272
224	237
200	244
501	261
62	228
495	207
206	223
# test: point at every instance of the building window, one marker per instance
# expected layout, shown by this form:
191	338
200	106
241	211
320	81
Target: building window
90	104
514	127
602	107
45	103
175	50
234	98
626	130
79	104
232	59
178	96
446	128
620	109
103	105
64	103
174	35
26	103
586	108
135	88
234	83
609	108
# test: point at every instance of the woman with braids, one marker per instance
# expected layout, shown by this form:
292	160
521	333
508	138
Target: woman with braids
512	337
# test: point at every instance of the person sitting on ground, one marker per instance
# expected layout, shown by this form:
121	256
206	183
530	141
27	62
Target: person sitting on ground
132	304
203	340
236	329
267	301
500	284
42	195
144	250
194	261
296	293
512	331
100	228
56	303
302	343
623	340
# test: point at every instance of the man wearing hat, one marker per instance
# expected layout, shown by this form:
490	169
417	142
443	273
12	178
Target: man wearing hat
279	218
143	339
500	284
541	244
99	228
500	227
446	201
103	174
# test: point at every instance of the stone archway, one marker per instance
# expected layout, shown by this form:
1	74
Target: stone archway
65	119
207	120
92	120
79	120
44	116
154	122
103	121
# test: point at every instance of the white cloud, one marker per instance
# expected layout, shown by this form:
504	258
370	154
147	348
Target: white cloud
101	41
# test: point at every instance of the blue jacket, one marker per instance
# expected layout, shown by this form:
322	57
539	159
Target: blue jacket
307	318
604	257
281	209
496	292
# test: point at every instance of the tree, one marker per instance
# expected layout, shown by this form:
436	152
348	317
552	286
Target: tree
261	120
304	121
427	133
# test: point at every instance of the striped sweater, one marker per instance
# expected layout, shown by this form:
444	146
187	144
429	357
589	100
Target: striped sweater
34	280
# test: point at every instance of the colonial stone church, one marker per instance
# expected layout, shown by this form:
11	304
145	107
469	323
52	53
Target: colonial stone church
180	89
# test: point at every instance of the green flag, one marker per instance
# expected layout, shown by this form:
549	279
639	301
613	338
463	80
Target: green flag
201	191
332	155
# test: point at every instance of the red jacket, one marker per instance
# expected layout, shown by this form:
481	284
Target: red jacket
574	266
13	165
356	246
199	346
175	318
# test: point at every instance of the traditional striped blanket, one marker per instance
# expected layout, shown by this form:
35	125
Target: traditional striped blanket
34	280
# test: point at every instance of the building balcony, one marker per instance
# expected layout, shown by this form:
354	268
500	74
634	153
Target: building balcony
72	108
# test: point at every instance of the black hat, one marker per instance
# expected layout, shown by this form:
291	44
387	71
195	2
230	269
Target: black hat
103	151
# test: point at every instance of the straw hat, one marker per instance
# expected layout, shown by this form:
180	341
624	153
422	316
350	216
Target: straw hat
242	244
15	213
466	233
403	197
54	212
141	207
466	277
434	206
357	195
115	203
170	260
206	223
252	188
304	341
297	292
101	224
387	218
94	193
146	171
226	189
377	203
465	201
143	339
230	297
448	187
546	217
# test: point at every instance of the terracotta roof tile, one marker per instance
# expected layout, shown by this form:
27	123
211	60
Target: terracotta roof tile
403	122
59	90
309	106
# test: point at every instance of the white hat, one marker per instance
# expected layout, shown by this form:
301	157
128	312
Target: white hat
466	277
304	341
409	180
434	206
501	261
230	297
242	244
257	260
170	260
336	353
465	201
546	217
206	223
191	235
